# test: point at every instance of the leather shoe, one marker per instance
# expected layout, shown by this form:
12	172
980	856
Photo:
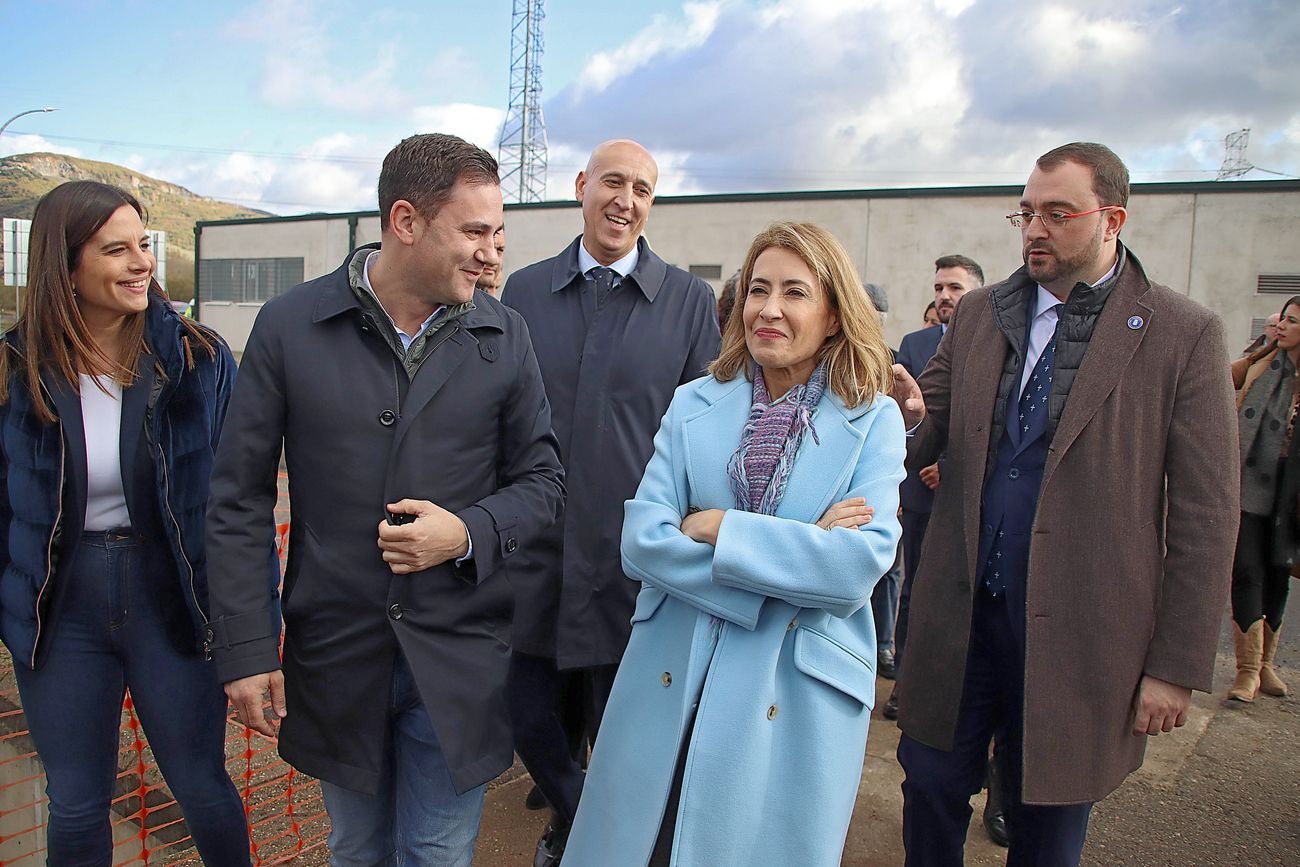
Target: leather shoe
996	826
995	816
536	800
550	849
890	710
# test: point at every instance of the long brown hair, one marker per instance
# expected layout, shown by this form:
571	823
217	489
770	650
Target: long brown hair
858	362
54	335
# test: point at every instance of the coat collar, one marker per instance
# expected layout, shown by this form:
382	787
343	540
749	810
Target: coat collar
336	298
648	275
712	435
712	391
1121	327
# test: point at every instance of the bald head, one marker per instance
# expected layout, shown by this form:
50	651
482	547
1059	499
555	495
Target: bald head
616	191
618	148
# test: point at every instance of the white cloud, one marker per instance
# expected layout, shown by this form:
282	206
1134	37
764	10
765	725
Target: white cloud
305	66
662	36
805	94
479	124
16	143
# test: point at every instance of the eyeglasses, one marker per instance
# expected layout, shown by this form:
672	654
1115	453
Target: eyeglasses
1021	219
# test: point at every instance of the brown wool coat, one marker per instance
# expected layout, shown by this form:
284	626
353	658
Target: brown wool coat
1132	543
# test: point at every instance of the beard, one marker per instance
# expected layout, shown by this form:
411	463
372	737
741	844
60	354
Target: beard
1063	269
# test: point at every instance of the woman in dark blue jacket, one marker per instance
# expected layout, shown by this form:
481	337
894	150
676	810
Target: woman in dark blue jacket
110	406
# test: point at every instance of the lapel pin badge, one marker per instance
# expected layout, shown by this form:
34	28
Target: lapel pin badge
1135	322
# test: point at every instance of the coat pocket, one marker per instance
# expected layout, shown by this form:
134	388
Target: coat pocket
823	658
647	603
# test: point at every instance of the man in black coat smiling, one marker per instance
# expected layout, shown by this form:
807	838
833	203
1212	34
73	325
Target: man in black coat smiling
418	442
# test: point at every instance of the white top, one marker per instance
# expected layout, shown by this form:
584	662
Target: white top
102	416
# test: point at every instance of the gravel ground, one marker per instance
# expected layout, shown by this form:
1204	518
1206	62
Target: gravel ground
1234	800
1224	790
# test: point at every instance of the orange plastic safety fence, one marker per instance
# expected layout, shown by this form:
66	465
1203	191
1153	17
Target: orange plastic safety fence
286	817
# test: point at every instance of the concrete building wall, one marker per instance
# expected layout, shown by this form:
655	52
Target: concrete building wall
1210	242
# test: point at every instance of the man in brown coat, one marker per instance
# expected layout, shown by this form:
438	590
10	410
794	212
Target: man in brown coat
1071	600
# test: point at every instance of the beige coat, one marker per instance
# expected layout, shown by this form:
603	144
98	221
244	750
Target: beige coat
1132	542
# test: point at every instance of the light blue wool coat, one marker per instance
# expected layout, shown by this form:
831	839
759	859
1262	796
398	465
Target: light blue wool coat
770	633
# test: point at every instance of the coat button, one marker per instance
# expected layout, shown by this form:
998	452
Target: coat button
1249	412
772	712
209	634
1013	474
387	417
511	545
1275	425
666	678
395	611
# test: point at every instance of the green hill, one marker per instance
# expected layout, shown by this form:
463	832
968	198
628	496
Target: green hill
24	178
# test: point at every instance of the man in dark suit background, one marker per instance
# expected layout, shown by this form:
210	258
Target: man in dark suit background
954	276
616	329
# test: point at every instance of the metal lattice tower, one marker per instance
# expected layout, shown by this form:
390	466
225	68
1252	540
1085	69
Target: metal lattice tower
1235	163
522	147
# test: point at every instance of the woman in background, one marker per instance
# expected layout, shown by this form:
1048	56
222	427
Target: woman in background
110	406
1268	538
738	720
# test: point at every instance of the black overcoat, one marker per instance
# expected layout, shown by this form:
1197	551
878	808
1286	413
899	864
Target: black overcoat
609	383
471	431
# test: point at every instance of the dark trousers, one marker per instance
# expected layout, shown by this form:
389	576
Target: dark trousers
1259	587
546	705
110	635
914	525
939	784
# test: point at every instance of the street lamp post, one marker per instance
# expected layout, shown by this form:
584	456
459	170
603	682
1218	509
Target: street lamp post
4	126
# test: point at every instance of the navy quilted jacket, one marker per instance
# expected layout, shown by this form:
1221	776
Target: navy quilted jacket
42	489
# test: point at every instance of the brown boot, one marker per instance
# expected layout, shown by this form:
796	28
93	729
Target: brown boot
1269	682
1250	647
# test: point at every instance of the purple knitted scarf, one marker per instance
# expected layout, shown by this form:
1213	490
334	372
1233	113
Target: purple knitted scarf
761	466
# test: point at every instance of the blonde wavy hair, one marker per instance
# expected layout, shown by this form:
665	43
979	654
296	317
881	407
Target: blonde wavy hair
859	364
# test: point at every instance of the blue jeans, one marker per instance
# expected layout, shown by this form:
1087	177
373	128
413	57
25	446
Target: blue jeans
111	634
884	604
417	817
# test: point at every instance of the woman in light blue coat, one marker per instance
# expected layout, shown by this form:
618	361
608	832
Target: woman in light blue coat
737	726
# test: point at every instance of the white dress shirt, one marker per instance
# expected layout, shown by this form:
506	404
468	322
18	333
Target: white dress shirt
622	267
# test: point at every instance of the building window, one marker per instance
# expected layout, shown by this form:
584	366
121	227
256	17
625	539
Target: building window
247	280
707	272
1278	284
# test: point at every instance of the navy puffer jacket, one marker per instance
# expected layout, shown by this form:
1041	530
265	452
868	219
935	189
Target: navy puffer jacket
42	494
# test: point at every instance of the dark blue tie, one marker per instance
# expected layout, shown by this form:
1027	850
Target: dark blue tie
1033	401
605	280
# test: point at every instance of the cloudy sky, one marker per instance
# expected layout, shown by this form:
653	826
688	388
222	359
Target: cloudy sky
290	105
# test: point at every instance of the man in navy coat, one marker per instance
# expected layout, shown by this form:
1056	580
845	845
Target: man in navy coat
616	330
415	429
